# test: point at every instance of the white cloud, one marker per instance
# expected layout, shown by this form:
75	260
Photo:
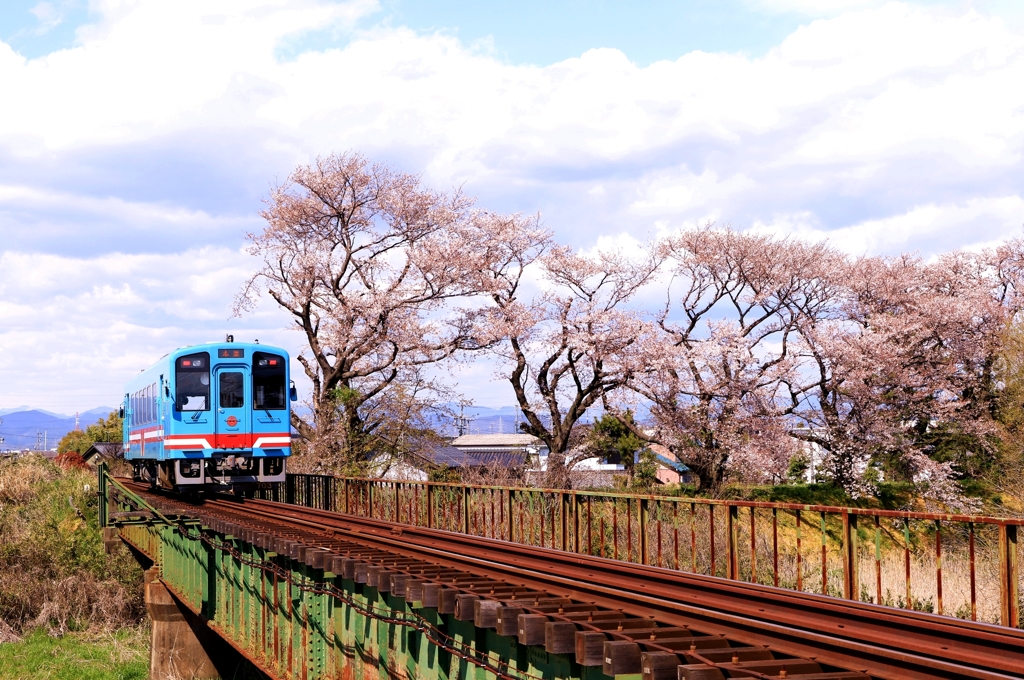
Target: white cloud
972	224
49	15
87	324
883	128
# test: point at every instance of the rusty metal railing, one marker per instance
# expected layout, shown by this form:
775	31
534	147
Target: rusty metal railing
965	566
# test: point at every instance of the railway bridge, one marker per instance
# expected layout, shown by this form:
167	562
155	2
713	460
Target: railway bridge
342	578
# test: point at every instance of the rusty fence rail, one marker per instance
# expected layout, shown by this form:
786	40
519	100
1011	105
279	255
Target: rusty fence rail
965	566
311	491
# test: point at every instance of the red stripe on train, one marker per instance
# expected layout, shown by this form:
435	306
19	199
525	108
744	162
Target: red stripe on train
242	440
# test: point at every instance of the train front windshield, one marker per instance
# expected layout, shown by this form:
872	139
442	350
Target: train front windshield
192	382
268	381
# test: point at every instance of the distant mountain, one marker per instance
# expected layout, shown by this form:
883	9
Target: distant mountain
32	429
19	409
29	429
5	411
485	412
95	414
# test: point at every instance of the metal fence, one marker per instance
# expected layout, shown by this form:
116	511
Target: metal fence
311	491
965	566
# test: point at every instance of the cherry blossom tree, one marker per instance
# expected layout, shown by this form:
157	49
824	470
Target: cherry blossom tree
767	345
569	345
764	345
375	270
718	355
908	356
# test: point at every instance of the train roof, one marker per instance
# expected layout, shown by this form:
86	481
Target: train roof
139	378
207	346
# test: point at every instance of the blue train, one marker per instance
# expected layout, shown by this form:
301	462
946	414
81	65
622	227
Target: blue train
213	415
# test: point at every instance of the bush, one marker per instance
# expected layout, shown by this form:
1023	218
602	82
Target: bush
54	572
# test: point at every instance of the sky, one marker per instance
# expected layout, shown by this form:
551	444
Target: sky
139	138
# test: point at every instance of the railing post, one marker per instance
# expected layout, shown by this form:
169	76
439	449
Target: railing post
732	570
369	499
465	510
575	523
1008	576
851	580
102	493
430	505
511	506
398	514
565	521
644	512
348	505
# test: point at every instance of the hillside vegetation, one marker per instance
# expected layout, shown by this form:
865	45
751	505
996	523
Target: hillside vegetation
59	590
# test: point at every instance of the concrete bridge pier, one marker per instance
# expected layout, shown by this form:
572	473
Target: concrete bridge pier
177	649
111	539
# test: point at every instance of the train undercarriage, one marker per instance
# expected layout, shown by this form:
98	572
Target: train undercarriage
219	472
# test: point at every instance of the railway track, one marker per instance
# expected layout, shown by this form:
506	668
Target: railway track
626	618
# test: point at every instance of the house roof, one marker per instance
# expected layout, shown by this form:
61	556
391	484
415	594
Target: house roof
493	440
666	458
449	456
105	449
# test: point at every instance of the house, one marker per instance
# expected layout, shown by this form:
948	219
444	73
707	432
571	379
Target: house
102	452
427	457
670	470
501	443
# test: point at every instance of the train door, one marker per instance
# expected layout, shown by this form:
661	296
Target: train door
233	424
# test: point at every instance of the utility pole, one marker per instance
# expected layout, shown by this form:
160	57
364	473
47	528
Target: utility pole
462	422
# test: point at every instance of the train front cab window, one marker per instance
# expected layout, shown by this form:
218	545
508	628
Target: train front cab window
270	393
268	381
192	382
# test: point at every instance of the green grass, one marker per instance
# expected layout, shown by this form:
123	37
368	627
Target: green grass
123	655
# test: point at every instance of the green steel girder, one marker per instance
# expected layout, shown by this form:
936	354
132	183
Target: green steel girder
300	623
296	633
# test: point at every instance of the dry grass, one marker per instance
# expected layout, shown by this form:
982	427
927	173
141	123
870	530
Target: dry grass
54	573
19	480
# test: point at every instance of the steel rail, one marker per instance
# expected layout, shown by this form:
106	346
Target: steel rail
457	580
464	508
882	641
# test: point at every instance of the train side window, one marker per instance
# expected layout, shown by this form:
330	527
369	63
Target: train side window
192	382
268	381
